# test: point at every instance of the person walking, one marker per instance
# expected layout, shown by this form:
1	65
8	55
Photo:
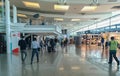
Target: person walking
102	42
49	46
23	45
112	50
52	43
65	42
35	46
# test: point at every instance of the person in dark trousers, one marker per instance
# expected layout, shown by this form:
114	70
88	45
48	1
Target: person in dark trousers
35	46
112	50
23	45
52	43
41	45
55	40
65	42
49	46
30	21
102	42
29	43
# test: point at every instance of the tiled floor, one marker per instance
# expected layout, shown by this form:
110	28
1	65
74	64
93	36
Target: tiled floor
70	61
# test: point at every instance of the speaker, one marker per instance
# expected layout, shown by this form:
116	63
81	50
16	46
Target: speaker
64	31
36	15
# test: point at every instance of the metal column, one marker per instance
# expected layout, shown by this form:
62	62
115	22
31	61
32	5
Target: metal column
7	22
14	14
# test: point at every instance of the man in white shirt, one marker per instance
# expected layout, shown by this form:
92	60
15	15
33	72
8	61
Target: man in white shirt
35	46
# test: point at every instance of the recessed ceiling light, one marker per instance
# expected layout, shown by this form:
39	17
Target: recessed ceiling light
31	4
89	8
61	7
58	19
75	19
21	15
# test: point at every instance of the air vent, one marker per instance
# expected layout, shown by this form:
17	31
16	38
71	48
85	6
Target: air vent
94	18
82	13
112	0
36	15
100	13
116	7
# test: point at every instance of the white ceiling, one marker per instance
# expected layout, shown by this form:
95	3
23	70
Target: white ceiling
86	18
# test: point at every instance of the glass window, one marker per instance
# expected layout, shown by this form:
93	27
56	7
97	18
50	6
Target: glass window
92	27
115	20
118	26
103	23
106	28
112	27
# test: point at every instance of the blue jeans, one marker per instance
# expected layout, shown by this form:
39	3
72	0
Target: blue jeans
23	55
35	51
112	53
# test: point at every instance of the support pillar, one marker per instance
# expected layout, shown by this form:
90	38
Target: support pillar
7	22
14	14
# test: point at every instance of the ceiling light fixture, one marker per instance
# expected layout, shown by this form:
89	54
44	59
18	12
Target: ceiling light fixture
61	7
31	4
75	19
93	6
21	15
88	8
58	19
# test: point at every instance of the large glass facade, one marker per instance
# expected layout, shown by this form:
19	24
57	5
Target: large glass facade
107	25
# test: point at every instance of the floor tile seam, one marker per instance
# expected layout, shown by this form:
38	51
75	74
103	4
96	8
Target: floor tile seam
98	65
104	66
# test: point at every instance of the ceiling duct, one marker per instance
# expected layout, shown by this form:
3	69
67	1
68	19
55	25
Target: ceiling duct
94	18
62	2
116	7
100	13
95	3
82	13
36	15
112	0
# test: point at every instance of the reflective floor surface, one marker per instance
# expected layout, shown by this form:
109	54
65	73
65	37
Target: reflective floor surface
70	61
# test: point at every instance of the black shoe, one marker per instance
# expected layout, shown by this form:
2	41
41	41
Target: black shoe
118	63
23	61
31	63
109	63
